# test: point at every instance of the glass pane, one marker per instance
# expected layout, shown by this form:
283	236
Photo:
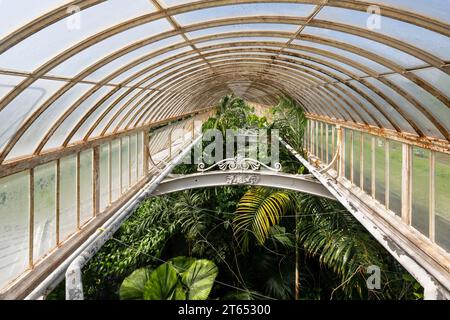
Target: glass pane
7	83
254	9
277	27
131	76
172	3
326	58
320	141
86	187
316	139
57	37
115	170
330	143
348	153
436	9
155	46
69	123
44	210
442	189
94	116
133	159
367	154
346	54
422	38
403	59
160	58
380	167
125	160
357	140
16	15
395	177
134	100
239	40
99	51
140	148
420	211
408	109
432	104
14	213
23	106
33	136
67	197
104	176
383	104
358	97
437	78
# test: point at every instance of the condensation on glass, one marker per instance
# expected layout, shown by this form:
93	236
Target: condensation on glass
14	226
68	200
44	223
420	207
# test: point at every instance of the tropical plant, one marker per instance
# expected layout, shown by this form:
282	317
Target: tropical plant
332	235
290	119
181	278
232	113
277	233
257	211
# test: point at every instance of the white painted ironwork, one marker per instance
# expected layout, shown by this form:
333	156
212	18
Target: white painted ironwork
239	163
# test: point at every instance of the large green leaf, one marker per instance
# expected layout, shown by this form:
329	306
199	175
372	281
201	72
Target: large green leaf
132	287
182	264
163	284
199	279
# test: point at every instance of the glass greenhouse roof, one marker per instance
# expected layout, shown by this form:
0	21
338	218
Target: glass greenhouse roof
74	71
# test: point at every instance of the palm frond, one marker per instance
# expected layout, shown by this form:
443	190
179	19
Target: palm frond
257	211
290	119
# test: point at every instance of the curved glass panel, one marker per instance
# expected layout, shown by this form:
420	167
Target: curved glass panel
101	50
436	9
67	197
431	103
242	10
71	121
68	32
34	134
401	58
8	83
14	225
346	54
407	108
15	16
24	105
432	42
437	78
245	27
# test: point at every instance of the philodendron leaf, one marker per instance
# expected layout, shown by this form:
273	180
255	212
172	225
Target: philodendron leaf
199	279
132	287
162	283
182	264
180	293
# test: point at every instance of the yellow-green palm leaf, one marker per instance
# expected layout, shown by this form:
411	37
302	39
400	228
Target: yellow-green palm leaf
257	211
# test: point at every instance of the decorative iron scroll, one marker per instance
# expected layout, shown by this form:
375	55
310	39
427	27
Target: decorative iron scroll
242	179
239	163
